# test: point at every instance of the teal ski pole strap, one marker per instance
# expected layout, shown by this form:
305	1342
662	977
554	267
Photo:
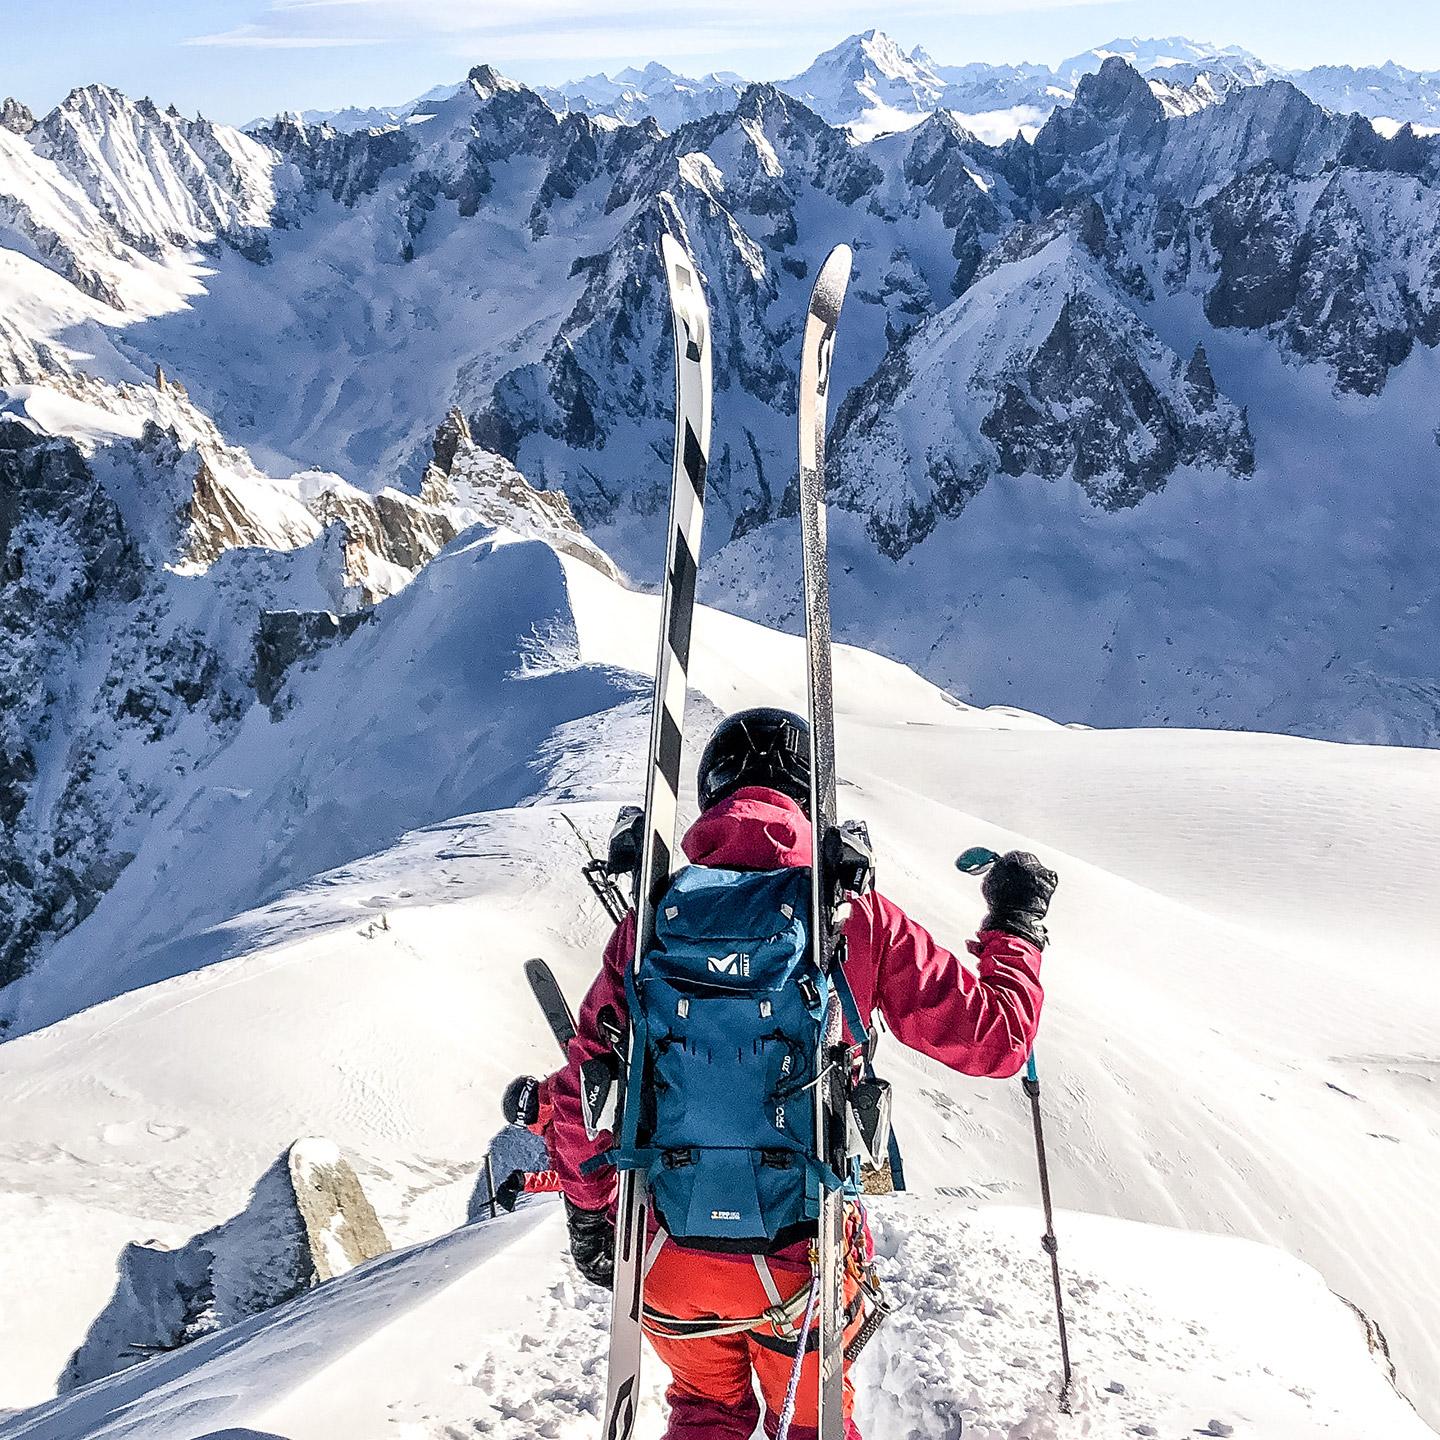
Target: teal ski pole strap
851	1012
897	1162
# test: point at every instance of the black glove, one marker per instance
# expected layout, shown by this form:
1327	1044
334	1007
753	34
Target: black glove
592	1243
508	1191
1018	890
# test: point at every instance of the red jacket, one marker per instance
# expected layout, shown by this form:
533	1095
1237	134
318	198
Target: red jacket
979	1023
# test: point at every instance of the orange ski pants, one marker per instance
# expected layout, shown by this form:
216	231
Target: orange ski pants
712	1396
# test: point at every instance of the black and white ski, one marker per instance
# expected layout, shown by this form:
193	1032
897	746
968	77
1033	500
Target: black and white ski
553	1004
691	319
817	348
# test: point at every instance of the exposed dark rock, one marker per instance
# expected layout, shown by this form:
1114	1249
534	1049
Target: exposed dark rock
1199	382
345	166
16	117
1318	281
1114	114
1253	231
63	549
1085	404
453	432
165	1298
287	637
941	164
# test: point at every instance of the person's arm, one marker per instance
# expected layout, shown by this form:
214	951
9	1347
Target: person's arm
571	1147
979	1023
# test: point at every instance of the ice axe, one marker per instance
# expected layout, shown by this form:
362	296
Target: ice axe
976	861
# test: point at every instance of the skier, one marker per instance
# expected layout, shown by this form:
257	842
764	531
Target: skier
529	1167
754	787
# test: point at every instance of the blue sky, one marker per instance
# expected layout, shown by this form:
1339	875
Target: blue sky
236	59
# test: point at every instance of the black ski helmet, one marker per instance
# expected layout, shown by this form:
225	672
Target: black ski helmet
521	1105
757	747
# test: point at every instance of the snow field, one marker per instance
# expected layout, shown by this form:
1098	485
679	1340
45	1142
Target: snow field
325	936
489	1331
1170	1333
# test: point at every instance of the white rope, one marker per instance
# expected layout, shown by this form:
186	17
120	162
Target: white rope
787	1413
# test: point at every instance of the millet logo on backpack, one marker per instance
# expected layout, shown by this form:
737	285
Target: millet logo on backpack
724	1214
735	963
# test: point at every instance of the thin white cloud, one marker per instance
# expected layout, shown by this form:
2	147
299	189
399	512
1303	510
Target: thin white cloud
254	37
526	32
756	19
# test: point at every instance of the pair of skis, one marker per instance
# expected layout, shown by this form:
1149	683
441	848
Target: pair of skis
691	319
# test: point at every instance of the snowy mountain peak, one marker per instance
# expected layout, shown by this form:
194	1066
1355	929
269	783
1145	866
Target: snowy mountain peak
653	75
1149	55
94	99
1040	367
856	55
880	48
159	179
868	83
487	82
1387	92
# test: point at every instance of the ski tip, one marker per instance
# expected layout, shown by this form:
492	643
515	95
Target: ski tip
831	283
671	250
679	267
687	302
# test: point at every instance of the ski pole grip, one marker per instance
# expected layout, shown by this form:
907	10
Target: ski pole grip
976	860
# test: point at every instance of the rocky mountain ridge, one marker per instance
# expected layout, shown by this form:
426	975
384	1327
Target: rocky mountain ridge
1100	347
152	591
1040	368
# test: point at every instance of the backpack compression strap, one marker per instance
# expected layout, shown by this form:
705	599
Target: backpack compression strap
863	1038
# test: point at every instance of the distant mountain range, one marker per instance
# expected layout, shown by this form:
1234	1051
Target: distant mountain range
870	85
1134	417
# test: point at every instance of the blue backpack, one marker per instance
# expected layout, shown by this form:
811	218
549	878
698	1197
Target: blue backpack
726	1012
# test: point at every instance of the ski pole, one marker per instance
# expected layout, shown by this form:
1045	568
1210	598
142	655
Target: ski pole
976	861
1051	1245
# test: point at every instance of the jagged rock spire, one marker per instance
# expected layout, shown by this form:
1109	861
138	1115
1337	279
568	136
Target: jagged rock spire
1199	381
16	117
452	433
